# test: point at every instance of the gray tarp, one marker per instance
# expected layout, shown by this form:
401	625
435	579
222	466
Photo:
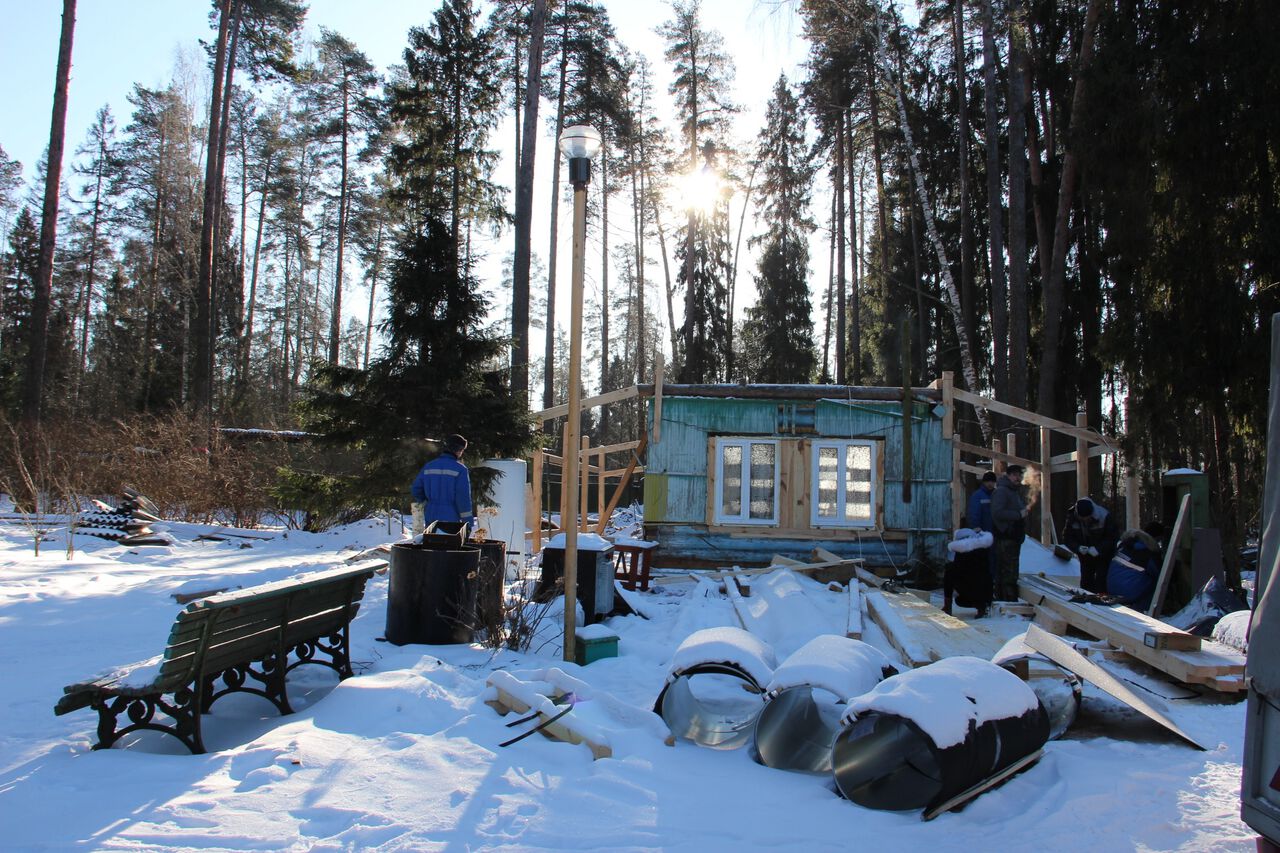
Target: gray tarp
1264	630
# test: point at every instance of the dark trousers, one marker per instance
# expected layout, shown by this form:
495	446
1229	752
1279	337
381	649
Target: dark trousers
1093	574
1008	556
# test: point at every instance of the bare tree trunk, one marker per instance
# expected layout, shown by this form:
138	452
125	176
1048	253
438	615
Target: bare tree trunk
549	361
999	287
968	298
837	186
34	391
831	284
877	153
604	279
671	300
1019	320
247	342
855	297
373	291
527	146
93	264
335	321
1053	294
202	391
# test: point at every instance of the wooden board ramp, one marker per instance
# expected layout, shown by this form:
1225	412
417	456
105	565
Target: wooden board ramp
1212	664
922	633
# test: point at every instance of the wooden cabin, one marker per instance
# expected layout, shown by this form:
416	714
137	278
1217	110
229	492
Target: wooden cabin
737	473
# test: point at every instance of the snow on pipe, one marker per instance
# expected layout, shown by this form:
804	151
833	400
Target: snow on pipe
715	686
1058	690
804	700
918	739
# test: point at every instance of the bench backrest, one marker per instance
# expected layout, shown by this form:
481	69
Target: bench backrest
221	631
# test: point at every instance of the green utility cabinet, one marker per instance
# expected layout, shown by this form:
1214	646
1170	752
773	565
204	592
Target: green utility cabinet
1174	485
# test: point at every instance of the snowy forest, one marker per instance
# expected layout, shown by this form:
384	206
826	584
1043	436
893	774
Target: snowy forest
1072	206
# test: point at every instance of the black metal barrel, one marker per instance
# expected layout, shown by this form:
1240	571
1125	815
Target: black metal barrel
432	593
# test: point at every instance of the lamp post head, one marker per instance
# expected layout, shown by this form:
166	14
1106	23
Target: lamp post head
580	143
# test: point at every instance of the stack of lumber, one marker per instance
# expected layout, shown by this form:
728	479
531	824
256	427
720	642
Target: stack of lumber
1189	659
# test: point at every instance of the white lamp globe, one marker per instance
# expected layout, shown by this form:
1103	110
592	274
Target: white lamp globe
580	140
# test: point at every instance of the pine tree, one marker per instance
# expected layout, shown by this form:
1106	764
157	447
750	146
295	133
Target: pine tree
778	335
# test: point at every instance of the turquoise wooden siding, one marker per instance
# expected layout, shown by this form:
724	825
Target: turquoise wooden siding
676	468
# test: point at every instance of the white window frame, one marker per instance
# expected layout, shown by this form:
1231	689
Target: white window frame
842	482
744	516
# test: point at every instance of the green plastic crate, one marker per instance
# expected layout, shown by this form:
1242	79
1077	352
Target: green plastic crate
588	650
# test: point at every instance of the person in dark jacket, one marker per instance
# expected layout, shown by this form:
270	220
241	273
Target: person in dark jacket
443	486
1134	570
1009	516
1090	533
978	517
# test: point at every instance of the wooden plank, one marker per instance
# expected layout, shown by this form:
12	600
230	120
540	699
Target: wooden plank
988	453
922	633
1093	453
986	784
1028	416
1170	552
615	448
853	621
973	469
584	487
1126	629
556	730
1082	458
1174	640
588	403
537	499
948	403
1061	653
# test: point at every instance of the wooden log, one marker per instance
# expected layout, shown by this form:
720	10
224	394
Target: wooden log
1170	552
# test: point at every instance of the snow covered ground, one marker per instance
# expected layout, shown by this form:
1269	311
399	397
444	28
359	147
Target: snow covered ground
405	756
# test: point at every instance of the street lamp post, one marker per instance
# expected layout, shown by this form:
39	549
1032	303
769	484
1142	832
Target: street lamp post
580	144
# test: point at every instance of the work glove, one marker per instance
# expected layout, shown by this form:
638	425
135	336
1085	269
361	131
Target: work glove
1089	551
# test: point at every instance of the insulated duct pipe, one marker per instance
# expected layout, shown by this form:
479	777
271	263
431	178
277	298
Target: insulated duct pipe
921	738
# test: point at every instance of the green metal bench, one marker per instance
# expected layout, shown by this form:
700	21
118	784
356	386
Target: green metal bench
236	642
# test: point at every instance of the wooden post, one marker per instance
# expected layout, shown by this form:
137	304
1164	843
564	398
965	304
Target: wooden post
566	485
1082	458
574	404
659	364
538	462
600	488
948	404
907	406
1046	487
1011	444
957	489
580	519
997	464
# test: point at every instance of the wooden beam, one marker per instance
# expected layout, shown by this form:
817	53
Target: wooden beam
589	403
600	489
1029	416
537	498
863	393
948	403
616	448
907	406
565	486
973	469
997	448
621	472
1007	458
584	485
1071	456
1166	568
626	480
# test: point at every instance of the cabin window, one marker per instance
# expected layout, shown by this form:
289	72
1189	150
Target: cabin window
843	491
746	489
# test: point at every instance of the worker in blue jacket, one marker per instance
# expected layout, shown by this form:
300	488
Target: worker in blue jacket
1134	569
443	487
978	517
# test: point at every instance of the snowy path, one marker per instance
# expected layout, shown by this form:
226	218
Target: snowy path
405	756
